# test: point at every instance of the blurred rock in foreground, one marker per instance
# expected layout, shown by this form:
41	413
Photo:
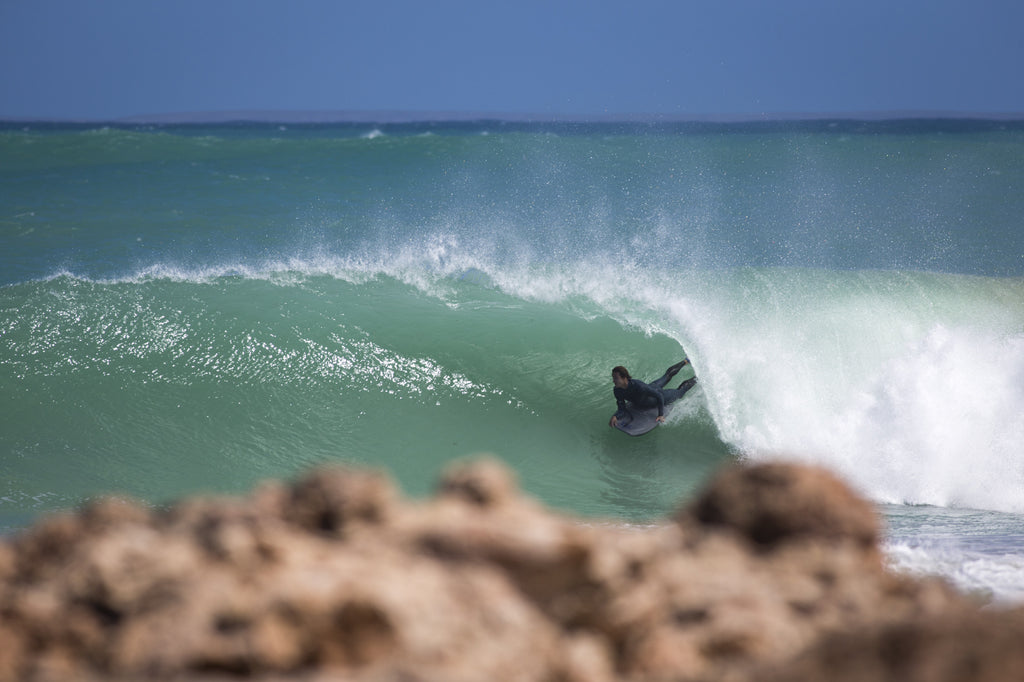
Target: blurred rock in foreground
772	573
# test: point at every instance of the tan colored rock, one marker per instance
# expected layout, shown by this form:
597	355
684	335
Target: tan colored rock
337	577
969	646
332	499
484	482
775	503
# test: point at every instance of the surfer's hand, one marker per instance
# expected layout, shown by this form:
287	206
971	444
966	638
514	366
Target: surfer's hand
614	421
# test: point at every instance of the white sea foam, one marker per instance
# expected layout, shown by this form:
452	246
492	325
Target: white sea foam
912	387
996	576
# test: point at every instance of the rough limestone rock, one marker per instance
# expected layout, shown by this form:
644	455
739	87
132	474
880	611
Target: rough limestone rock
980	647
772	572
773	504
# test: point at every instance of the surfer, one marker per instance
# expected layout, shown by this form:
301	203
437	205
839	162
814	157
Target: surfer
649	395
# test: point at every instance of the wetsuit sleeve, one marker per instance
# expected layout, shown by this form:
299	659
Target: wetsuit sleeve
620	401
661	401
650	394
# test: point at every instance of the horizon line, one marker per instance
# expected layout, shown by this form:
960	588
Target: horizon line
385	116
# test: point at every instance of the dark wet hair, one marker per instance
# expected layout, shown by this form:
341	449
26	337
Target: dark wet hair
621	371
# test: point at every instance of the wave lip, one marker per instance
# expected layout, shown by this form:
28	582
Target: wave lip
911	385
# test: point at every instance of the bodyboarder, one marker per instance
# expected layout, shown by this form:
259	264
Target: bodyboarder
645	396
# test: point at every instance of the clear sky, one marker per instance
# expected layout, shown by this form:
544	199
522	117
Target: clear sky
106	59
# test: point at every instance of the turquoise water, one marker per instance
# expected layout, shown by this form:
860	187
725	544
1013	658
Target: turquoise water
194	309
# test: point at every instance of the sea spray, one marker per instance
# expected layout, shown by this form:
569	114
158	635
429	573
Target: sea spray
907	383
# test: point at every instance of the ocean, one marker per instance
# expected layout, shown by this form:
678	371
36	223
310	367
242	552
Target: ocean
192	309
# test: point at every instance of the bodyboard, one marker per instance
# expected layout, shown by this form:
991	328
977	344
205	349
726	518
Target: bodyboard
639	421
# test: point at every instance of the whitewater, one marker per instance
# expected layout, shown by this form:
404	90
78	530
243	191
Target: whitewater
194	309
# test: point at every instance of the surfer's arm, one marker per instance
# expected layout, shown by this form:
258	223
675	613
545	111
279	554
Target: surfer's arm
620	402
615	417
661	405
656	395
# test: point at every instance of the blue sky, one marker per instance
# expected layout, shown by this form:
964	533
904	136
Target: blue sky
106	59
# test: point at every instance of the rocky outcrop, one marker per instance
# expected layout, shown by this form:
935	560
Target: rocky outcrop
954	647
772	572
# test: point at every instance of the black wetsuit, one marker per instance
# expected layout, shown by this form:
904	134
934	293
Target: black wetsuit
641	395
645	396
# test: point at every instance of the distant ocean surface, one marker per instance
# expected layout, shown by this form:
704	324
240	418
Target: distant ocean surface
195	308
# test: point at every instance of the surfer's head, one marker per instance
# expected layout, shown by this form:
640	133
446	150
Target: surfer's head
620	376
